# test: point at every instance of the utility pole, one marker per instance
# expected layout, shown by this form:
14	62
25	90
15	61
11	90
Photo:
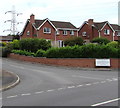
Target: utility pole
13	21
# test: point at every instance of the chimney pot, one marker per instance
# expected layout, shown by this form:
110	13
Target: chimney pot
32	18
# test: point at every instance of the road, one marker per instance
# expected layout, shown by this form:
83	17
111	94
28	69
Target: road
43	85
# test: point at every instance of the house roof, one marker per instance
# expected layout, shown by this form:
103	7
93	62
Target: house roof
99	25
6	38
57	24
115	27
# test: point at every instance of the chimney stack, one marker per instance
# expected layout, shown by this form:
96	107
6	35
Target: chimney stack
32	18
90	22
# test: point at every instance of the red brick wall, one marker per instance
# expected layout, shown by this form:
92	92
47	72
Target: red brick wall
91	32
80	62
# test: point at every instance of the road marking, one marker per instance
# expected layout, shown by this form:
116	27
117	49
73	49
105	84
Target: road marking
26	94
109	80
87	77
12	96
39	92
79	85
71	87
60	88
102	103
50	90
115	79
0	98
88	84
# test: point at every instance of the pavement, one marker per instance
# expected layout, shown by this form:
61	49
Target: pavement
8	80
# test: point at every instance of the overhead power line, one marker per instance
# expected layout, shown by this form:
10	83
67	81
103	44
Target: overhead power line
13	21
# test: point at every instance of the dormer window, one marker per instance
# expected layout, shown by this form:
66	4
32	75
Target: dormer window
28	33
47	30
84	33
106	31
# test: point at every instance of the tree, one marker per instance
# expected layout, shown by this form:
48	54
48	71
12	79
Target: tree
100	40
73	41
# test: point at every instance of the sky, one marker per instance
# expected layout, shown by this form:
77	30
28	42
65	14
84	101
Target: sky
74	11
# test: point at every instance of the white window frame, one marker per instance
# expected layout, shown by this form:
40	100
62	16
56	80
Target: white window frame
57	32
64	32
47	30
118	33
71	32
28	33
84	33
61	43
106	31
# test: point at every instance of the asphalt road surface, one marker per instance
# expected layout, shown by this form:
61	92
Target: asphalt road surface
43	85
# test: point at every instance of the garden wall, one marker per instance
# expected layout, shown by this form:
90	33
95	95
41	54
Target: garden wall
72	62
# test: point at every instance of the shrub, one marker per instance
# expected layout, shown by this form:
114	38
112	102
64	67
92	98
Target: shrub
23	52
73	41
2	44
100	40
16	44
85	51
40	53
34	44
113	44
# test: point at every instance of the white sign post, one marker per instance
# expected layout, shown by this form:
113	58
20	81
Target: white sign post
102	62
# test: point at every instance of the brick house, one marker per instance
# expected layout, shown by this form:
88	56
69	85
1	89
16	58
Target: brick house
91	29
56	31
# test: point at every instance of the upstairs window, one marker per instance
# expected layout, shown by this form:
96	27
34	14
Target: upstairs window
84	33
71	32
47	30
28	33
106	31
65	32
57	32
118	34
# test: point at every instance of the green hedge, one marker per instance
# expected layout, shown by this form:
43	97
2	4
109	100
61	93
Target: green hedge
85	51
100	40
23	52
34	44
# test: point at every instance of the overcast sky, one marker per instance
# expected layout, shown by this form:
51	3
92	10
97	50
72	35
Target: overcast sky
74	11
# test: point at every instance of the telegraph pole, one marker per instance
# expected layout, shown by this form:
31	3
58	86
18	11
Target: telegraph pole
13	21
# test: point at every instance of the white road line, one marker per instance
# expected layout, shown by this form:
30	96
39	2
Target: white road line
0	98
26	94
115	79
102	103
88	84
109	80
12	96
71	87
60	88
51	90
87	77
79	85
39	92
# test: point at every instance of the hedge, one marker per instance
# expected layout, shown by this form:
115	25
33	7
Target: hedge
34	44
23	52
85	51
